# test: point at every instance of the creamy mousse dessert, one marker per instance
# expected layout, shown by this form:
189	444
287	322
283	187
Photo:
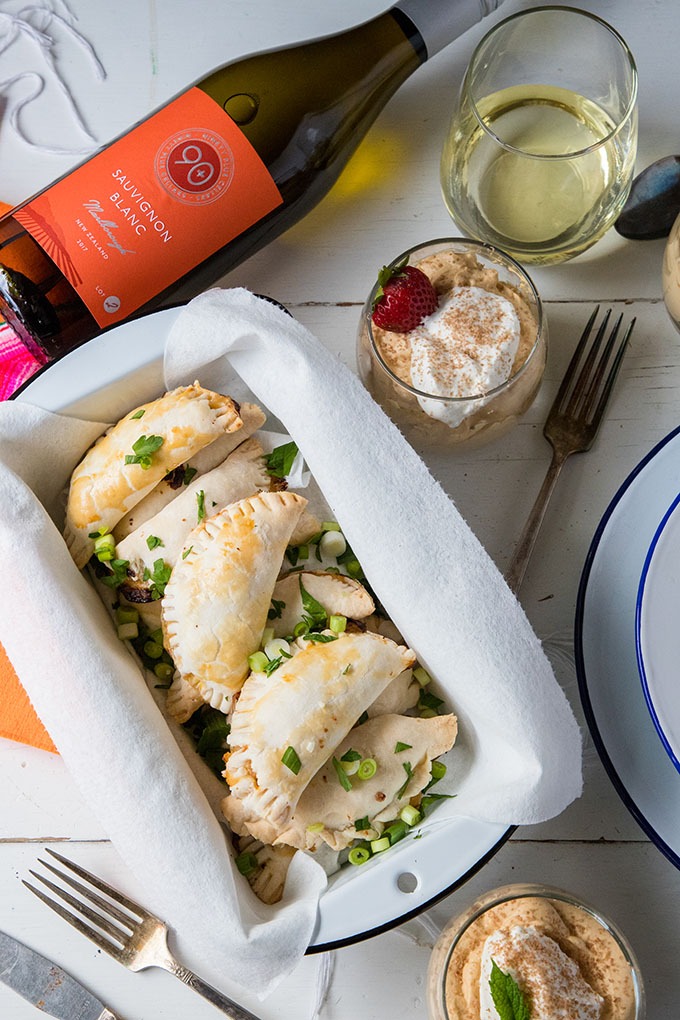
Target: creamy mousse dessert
469	359
554	957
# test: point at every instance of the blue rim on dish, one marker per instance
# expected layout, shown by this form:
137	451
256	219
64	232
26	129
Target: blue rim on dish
638	633
636	811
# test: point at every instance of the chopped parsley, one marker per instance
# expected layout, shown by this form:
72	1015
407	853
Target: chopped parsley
118	573
361	824
189	473
143	450
159	577
276	609
153	541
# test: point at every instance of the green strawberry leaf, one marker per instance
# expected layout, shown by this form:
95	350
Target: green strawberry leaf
508	997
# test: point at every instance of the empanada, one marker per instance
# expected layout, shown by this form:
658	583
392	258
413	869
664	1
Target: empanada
379	798
337	593
104	487
201	463
216	602
308	704
242	474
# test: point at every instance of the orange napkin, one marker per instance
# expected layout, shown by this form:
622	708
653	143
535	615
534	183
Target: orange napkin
18	720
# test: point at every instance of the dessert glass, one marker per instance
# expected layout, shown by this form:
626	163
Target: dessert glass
627	1004
486	415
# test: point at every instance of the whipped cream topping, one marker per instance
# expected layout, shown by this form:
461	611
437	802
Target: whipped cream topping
549	978
465	348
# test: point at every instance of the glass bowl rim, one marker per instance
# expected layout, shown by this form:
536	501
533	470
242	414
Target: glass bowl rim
555	8
525	890
481	248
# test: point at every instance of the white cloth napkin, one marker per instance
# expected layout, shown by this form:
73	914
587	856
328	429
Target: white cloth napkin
518	758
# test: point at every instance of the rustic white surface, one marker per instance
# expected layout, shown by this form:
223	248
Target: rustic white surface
387	200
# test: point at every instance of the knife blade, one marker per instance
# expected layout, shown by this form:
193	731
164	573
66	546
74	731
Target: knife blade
46	985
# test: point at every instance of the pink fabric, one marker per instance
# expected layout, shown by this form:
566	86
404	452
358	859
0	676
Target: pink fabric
16	364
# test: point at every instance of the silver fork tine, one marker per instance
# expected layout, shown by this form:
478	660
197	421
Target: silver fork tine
119	897
573	421
143	943
100	919
83	928
604	397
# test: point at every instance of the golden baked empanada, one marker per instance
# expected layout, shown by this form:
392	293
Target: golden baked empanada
134	455
200	463
403	748
219	593
307	705
243	473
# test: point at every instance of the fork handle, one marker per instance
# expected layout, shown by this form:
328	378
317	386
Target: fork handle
514	575
230	1008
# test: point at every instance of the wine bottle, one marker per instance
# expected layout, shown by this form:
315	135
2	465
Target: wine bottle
208	179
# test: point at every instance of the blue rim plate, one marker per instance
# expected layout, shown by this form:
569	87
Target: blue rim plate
101	380
605	647
657	631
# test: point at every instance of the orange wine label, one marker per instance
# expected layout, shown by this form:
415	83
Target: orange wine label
139	215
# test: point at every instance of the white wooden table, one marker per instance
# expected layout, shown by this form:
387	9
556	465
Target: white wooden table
387	200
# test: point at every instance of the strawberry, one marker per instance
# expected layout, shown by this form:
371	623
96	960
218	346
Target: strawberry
404	298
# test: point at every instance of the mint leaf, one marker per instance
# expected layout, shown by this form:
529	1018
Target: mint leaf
280	461
508	997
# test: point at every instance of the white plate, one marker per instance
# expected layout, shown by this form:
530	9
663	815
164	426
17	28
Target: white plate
606	661
102	380
657	630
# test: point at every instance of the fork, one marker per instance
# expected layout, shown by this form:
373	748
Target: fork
573	421
124	929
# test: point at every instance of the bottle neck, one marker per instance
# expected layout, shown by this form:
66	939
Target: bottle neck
439	22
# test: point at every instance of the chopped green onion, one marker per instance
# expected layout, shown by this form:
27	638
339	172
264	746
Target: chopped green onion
153	649
258	662
200	505
163	670
429	702
342	775
267	635
408	769
291	761
138	414
332	544
401	746
157	635
438	770
378	845
367	768
410	814
104	548
338	624
247	863
422	676
350	768
276	648
353	568
125	615
316	827
396	831
358	855
299	629
128	631
330	526
186	552
432	798
321	639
